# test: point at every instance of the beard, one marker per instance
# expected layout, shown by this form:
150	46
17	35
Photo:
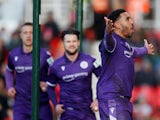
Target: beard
127	32
128	35
71	53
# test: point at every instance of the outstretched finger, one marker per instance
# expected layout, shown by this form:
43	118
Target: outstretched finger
145	42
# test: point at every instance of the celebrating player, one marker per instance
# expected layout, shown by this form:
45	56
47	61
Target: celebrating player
116	82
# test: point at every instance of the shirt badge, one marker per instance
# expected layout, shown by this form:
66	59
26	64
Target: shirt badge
16	58
84	64
50	61
63	68
96	64
48	53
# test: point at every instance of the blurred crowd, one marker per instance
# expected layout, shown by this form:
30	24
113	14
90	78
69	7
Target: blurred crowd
147	81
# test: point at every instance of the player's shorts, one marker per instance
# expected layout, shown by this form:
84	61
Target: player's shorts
77	114
22	111
119	108
45	112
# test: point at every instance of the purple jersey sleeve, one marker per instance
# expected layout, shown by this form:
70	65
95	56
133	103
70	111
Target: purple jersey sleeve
52	77
46	61
9	73
97	68
52	94
9	79
10	62
139	51
51	86
109	42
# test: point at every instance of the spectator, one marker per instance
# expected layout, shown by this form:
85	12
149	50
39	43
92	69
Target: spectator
50	30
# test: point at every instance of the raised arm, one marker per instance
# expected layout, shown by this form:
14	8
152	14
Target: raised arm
150	47
147	49
109	41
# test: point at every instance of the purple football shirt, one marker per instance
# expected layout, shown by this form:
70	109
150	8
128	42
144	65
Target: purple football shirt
20	65
117	78
75	80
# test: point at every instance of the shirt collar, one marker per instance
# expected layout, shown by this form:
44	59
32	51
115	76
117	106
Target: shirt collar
119	37
24	52
67	60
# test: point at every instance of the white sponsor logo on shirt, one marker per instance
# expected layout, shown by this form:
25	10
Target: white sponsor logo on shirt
127	53
72	77
20	69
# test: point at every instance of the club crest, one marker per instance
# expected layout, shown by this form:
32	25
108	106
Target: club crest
84	64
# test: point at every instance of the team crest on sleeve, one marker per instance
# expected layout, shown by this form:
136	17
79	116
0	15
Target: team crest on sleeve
62	68
96	64
50	61
48	53
16	58
84	64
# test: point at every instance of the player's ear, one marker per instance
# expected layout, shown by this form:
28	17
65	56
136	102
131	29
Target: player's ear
116	24
78	42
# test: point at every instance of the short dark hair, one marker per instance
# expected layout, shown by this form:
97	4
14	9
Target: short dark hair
71	31
26	24
114	15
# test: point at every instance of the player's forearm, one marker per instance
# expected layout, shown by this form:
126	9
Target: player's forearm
140	51
52	95
9	79
109	42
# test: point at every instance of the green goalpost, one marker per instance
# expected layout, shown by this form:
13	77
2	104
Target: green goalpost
35	60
